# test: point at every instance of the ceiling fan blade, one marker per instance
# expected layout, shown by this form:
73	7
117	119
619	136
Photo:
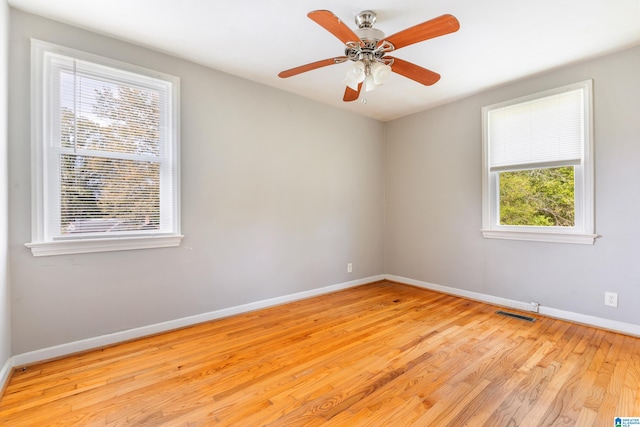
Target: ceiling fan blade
334	25
435	27
414	72
312	66
350	94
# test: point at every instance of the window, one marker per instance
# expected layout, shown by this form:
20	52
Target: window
105	154
537	181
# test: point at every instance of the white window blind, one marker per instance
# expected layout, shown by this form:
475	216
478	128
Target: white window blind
542	132
107	150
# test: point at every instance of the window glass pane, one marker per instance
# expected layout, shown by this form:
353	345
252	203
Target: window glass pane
538	197
108	116
100	194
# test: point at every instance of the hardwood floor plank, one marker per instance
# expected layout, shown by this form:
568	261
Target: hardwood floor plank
377	354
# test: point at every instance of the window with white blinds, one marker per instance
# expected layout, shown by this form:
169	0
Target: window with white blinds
105	154
541	132
536	144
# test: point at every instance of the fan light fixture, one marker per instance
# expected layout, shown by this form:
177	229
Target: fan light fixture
371	74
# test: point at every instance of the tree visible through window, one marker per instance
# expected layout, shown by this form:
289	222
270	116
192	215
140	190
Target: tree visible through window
105	194
538	197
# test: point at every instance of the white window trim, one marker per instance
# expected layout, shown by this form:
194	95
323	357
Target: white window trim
39	245
584	232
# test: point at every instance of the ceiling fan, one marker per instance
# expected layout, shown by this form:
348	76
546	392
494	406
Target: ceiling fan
367	48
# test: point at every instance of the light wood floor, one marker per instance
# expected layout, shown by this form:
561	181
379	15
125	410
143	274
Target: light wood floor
382	354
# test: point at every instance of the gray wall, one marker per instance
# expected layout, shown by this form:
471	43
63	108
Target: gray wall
5	312
433	206
278	195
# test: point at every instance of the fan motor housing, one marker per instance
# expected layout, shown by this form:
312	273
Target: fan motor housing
366	32
369	35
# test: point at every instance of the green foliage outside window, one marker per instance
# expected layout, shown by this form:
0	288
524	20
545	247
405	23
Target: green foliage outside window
538	197
101	193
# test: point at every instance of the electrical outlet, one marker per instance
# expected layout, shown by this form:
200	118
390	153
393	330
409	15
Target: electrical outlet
611	299
349	268
535	307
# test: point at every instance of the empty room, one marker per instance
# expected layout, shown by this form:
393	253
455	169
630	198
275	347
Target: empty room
388	213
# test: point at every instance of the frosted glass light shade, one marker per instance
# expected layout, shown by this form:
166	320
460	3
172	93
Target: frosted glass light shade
380	72
355	75
369	83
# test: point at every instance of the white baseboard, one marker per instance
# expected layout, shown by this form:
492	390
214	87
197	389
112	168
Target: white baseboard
117	337
598	322
5	373
585	319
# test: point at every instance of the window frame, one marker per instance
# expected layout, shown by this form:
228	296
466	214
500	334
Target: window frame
583	232
44	243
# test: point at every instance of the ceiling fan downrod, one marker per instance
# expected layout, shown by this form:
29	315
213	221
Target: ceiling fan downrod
366	19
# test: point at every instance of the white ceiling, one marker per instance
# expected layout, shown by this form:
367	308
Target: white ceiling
498	41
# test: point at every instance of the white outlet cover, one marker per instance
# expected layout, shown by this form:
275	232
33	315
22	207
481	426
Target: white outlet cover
611	299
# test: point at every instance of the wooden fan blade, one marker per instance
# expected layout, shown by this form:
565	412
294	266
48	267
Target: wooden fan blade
414	72
334	25
312	66
435	27
350	94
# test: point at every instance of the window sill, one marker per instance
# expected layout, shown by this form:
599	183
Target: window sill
536	236
83	246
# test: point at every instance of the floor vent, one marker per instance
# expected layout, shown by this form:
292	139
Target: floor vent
515	316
